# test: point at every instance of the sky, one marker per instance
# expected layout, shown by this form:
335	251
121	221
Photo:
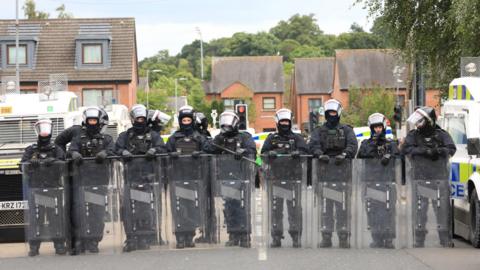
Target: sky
170	24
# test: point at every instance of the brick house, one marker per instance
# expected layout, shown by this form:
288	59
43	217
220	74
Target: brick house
255	80
311	86
366	69
99	56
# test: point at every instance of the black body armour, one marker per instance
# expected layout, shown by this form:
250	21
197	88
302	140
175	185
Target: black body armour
138	144
43	152
283	145
186	145
91	146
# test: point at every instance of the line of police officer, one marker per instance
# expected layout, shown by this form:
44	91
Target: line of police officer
332	141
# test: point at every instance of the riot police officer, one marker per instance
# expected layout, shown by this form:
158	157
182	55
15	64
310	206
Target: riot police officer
337	141
66	136
201	124
43	152
242	144
284	141
156	120
91	142
185	141
381	219
429	141
138	140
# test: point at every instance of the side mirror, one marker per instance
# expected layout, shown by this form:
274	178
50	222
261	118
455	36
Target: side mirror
473	146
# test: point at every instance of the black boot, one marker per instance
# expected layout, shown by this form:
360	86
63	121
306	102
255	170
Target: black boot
143	244
276	241
245	240
34	249
377	241
445	240
180	240
343	240
60	248
419	239
189	240
326	240
92	246
130	245
233	240
389	243
78	248
296	237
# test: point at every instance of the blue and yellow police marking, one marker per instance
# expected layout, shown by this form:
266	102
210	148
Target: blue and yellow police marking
459	92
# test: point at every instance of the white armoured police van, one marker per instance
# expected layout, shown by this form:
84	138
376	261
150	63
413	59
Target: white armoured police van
461	118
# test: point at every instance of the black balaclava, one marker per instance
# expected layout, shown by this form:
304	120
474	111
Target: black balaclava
93	129
284	129
187	129
139	127
332	121
43	141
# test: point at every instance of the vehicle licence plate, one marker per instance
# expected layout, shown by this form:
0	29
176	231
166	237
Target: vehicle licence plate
6	110
13	205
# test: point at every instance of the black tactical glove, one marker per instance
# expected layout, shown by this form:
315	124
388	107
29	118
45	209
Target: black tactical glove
239	153
419	151
324	158
442	152
127	156
48	161
196	154
272	154
295	154
219	139
385	159
432	153
77	157
101	156
150	154
35	163
317	153
339	159
174	155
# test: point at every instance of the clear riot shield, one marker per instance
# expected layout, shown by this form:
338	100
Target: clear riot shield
142	203
429	192
232	184
47	217
332	204
289	204
189	206
94	207
377	209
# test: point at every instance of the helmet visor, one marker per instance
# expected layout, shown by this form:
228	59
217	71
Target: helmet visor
376	119
138	112
228	119
417	119
333	106
43	128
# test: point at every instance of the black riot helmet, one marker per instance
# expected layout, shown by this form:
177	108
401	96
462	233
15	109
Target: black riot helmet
92	113
282	115
156	120
186	112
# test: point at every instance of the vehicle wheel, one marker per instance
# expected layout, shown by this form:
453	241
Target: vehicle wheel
475	219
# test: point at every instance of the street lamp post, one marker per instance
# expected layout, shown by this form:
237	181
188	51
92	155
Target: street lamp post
147	87
17	65
201	51
397	73
176	95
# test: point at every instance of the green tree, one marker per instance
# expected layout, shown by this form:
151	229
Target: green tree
305	51
62	13
302	28
31	13
363	103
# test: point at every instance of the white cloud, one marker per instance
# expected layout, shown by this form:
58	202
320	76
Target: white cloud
173	36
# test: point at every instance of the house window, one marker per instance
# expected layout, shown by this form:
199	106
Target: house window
98	97
229	104
92	54
268	103
11	54
314	104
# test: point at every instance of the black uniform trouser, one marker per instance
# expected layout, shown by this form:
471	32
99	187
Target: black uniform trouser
88	218
236	216
294	212
438	192
335	196
139	216
381	214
